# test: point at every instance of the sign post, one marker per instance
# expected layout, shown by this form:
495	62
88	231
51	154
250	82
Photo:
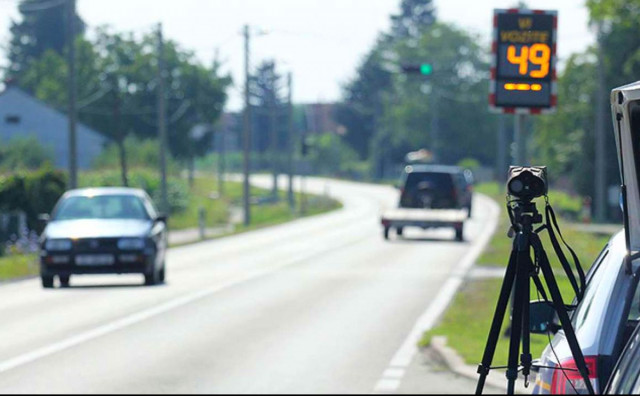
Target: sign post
523	67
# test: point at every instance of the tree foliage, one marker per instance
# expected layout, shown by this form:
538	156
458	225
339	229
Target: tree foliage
117	90
42	28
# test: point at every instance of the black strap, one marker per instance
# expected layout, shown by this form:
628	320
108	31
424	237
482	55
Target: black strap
551	224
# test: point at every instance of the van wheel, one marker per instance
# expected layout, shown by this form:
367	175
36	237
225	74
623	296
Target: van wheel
386	233
47	282
64	280
399	231
151	278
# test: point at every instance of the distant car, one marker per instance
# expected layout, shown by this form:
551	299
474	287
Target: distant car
625	379
103	231
436	187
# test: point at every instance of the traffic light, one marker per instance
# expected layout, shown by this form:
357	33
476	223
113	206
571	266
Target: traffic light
424	69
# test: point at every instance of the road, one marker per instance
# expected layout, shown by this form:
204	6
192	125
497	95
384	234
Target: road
319	305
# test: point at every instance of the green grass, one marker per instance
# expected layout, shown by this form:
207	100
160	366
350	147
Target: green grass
467	321
204	194
18	266
217	210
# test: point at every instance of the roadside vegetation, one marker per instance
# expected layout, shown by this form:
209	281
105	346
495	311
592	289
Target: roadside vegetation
467	321
29	186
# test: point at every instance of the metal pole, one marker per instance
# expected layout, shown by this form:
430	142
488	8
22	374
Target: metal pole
162	122
434	124
246	143
600	160
290	195
520	139
221	162
273	128
73	154
501	158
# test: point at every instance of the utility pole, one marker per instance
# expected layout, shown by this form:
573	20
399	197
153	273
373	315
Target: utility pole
246	141
162	121
520	137
221	162
435	124
600	163
501	158
72	89
273	128
290	196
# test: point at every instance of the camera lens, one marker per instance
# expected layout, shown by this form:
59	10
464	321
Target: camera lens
516	186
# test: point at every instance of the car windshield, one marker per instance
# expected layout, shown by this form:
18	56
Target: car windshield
102	207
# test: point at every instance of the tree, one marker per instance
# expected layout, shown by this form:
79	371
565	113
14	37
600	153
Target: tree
117	91
415	16
268	101
564	141
42	28
362	102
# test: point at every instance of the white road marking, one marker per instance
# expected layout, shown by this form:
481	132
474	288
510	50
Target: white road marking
403	357
387	385
138	317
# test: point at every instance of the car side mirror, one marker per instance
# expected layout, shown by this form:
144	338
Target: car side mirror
44	217
541	318
162	218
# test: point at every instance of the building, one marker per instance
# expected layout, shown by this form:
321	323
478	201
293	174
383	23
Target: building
22	115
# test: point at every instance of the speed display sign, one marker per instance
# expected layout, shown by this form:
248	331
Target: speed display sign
523	74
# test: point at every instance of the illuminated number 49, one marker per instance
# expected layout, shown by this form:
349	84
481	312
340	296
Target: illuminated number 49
538	54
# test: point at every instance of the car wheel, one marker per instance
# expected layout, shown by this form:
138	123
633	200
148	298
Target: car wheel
399	231
47	282
459	232
386	233
64	280
469	212
162	275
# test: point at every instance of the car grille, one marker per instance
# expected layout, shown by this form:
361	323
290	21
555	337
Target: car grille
93	244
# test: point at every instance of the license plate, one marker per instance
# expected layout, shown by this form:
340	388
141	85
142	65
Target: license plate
95	259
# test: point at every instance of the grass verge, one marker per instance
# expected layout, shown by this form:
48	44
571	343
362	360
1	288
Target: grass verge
18	266
467	321
217	208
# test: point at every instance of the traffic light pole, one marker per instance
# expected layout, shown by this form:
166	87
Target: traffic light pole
246	136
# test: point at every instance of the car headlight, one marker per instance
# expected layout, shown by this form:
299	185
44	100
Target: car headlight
131	243
57	245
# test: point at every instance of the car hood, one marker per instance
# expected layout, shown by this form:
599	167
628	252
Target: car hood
90	228
625	110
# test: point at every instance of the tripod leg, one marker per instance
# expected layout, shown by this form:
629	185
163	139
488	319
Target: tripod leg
526	358
565	321
522	280
496	324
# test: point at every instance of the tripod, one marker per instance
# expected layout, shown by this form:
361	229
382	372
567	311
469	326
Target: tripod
517	279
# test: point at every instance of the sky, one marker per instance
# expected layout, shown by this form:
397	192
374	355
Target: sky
321	42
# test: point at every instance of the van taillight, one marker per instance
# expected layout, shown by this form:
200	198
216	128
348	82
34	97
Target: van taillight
561	382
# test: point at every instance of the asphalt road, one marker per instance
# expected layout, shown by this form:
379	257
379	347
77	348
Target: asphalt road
319	305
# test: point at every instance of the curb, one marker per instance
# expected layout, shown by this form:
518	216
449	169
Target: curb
456	364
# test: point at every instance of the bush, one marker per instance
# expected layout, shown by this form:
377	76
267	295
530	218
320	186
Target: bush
141	153
32	193
177	189
24	153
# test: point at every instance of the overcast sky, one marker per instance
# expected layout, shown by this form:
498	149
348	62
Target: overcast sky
320	41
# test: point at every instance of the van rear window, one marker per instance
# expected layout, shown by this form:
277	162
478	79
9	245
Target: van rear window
429	189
